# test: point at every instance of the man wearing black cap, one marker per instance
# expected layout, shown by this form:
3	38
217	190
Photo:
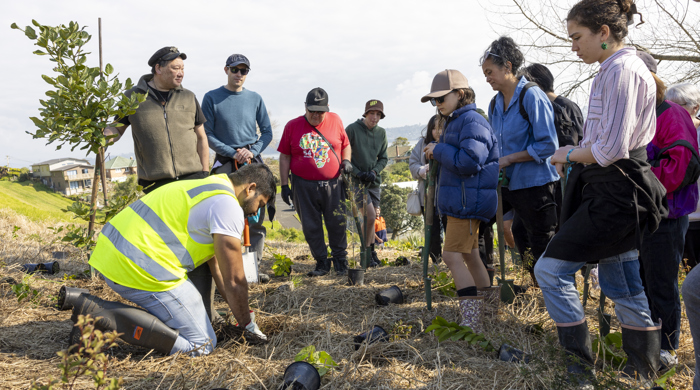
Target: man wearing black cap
368	142
316	149
169	139
232	114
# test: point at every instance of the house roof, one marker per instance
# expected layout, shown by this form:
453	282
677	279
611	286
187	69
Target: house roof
67	167
120	162
403	150
58	160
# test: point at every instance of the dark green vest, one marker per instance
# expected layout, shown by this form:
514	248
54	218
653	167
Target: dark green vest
165	143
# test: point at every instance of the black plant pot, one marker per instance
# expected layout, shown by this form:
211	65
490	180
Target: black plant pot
390	295
49	268
401	261
376	334
68	297
301	376
356	277
511	354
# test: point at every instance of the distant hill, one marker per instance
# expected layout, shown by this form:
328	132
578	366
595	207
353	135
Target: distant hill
410	132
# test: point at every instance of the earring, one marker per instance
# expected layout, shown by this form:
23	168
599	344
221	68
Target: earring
604	46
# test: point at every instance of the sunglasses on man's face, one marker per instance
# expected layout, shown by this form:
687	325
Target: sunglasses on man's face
244	71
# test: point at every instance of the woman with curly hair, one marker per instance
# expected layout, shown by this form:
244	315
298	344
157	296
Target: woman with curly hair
611	196
526	140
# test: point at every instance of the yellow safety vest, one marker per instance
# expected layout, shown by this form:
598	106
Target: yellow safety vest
147	246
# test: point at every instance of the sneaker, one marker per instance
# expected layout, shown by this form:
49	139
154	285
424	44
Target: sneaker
668	359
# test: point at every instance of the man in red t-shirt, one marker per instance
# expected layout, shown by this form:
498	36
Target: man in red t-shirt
316	149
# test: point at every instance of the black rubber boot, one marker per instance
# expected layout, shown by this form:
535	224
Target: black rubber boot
375	262
576	340
341	266
204	283
643	348
323	266
137	326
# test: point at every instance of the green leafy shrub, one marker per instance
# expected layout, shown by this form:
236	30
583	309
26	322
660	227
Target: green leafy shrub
452	331
282	265
24	290
86	358
319	359
443	282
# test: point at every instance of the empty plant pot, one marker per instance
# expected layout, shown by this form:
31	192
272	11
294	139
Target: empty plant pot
376	334
59	255
511	354
68	297
49	268
356	277
301	376
390	295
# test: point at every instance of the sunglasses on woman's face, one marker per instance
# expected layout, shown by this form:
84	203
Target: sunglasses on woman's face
440	100
244	71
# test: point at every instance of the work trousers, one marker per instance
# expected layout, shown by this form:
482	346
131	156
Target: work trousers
661	254
537	210
318	202
180	308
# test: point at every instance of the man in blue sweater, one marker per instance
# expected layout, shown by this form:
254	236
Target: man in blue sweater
232	114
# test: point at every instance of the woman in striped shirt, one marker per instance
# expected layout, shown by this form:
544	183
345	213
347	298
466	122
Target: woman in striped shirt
611	194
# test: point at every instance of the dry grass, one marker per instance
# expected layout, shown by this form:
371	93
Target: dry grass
321	311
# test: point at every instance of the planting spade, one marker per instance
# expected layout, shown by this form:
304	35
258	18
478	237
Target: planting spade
250	259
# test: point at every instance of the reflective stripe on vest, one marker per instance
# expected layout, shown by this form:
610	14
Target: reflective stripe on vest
151	258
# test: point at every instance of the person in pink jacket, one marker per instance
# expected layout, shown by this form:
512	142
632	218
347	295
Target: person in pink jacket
662	251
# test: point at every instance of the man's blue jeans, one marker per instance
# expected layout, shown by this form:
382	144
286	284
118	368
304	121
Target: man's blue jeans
180	308
619	280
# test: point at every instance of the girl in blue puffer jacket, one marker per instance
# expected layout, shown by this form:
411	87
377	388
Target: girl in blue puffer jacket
467	181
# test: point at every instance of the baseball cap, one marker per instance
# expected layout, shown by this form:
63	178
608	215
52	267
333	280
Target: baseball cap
237	59
317	100
167	53
649	61
445	82
376	105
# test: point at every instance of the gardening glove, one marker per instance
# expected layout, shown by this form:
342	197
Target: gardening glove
371	177
346	166
253	327
271	210
361	176
423	171
286	194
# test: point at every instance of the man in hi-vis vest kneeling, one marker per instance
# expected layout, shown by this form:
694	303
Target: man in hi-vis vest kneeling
146	250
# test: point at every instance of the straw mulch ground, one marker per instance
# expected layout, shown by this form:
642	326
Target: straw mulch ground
323	312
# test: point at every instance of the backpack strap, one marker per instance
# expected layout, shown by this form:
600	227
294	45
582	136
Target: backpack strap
680	142
661	108
492	105
521	97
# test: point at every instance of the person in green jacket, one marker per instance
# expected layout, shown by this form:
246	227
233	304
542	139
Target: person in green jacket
368	143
